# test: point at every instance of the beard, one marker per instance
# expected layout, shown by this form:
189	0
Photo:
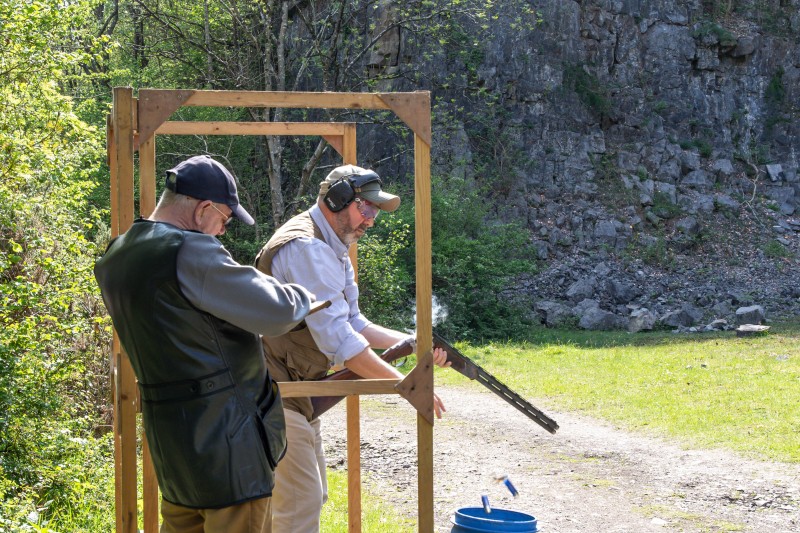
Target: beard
346	232
352	236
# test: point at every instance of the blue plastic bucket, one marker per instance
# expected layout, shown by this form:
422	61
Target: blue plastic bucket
476	519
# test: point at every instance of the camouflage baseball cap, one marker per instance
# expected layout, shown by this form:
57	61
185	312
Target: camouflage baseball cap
371	190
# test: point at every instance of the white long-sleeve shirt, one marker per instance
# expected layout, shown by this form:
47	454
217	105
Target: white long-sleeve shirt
325	269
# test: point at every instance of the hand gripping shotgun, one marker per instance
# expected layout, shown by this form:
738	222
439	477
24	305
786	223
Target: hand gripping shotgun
458	362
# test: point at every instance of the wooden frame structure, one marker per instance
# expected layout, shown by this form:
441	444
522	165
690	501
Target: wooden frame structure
132	127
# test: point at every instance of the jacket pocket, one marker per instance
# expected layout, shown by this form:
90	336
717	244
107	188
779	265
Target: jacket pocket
272	426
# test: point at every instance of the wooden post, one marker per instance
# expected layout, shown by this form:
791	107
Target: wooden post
147	204
150	514
353	464
125	384
350	157
147	177
422	199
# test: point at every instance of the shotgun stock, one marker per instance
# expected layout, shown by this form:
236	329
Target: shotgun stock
458	362
323	403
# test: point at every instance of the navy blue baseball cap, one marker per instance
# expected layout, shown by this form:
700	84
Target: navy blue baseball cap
206	179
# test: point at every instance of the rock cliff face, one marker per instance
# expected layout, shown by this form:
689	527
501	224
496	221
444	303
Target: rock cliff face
658	141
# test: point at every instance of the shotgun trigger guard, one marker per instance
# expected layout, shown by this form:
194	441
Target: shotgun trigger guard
400	362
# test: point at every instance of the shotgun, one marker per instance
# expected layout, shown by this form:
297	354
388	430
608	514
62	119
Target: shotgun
458	362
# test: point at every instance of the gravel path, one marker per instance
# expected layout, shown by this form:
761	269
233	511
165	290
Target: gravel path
589	477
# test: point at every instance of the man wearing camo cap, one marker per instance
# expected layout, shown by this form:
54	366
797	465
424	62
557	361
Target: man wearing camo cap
311	250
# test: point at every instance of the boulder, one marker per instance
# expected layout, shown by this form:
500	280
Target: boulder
582	289
744	46
640	320
599	319
584	305
553	314
622	292
686	316
688	225
774	172
753	314
698	179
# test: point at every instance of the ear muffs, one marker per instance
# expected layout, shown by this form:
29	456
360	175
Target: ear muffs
343	191
340	194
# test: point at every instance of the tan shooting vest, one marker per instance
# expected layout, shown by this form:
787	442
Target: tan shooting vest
293	356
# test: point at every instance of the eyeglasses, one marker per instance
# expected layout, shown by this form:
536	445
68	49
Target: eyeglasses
367	209
228	218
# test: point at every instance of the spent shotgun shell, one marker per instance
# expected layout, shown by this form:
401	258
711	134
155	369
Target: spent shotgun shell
511	487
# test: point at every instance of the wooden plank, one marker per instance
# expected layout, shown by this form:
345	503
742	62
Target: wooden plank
123	132
150	509
126	394
295	389
155	107
349	157
317	100
425	475
422	203
115	357
147	177
349	144
414	109
111	157
422	199
353	465
422	212
336	143
417	386
113	363
147	204
250	128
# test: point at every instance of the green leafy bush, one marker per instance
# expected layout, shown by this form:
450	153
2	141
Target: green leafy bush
55	460
384	283
473	261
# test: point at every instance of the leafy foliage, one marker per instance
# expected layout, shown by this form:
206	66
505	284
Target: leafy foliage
473	263
383	282
52	387
56	472
472	278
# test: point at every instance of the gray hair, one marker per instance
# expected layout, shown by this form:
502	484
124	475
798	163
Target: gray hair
171	198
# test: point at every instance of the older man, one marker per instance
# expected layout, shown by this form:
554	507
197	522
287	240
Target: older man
311	250
189	317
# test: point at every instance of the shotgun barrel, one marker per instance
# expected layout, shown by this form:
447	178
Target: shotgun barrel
465	366
458	362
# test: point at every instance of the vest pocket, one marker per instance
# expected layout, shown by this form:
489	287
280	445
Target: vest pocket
272	426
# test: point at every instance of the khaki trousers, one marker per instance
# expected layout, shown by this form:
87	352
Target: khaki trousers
301	486
248	517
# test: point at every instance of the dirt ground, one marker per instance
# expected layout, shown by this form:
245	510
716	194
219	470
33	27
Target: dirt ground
588	477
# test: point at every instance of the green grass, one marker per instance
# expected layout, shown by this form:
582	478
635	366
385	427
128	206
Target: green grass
706	390
711	390
377	515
